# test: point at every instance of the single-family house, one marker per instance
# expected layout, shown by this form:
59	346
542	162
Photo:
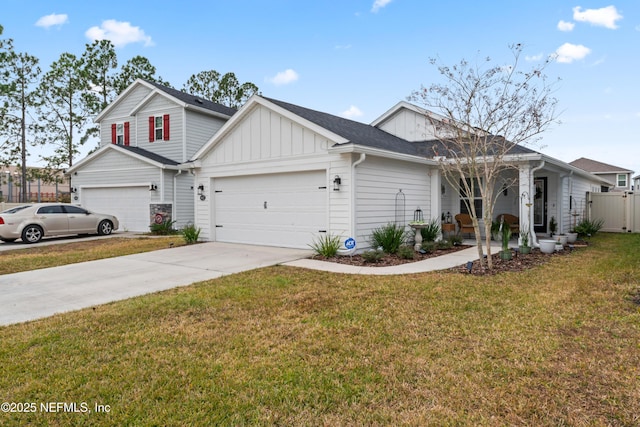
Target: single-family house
280	174
617	178
145	134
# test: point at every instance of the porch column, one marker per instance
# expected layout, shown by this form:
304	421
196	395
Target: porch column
436	196
525	187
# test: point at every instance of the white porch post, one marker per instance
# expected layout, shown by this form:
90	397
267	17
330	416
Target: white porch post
436	196
526	193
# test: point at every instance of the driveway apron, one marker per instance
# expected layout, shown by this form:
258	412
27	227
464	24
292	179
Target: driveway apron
40	293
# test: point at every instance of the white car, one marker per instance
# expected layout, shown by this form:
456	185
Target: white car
34	221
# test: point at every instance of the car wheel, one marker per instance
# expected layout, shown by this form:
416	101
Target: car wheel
32	234
7	240
105	228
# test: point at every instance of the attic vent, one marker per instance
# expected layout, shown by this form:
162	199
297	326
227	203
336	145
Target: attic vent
199	101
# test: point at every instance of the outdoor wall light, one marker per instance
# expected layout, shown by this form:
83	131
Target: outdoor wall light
336	183
201	192
153	187
74	190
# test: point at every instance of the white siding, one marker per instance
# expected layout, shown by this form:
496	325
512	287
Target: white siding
158	106
120	113
200	128
377	183
184	206
408	125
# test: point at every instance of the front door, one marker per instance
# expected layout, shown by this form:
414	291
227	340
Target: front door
540	205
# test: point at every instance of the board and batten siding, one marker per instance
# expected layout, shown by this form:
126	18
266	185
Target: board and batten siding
266	142
409	125
120	113
378	181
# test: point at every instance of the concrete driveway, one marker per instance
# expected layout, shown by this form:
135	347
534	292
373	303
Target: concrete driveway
40	293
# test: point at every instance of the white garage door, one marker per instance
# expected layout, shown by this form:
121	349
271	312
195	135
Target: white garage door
285	209
129	204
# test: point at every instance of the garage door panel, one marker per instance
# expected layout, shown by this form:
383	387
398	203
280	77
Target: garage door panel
279	209
129	204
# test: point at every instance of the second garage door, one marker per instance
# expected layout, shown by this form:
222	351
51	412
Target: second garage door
129	204
284	209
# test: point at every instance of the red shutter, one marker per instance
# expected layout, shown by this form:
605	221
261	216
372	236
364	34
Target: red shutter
165	131
152	129
113	133
126	133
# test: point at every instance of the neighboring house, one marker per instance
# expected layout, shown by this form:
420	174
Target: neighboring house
144	135
38	189
618	179
636	182
283	175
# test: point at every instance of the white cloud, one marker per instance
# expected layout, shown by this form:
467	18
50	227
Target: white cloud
567	53
283	77
603	17
352	112
52	20
535	58
566	26
379	4
119	33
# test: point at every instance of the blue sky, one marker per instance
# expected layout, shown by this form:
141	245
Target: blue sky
358	58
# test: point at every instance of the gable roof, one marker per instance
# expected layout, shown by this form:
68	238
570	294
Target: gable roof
597	167
183	99
354	132
136	152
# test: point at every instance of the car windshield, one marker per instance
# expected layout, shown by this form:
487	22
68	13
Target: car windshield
16	209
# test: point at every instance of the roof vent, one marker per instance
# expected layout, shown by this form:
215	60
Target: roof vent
199	101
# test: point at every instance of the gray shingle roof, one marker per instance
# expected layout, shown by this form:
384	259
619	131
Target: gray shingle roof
371	136
595	166
195	100
149	155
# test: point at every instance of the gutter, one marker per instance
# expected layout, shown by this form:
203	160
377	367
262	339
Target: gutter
362	158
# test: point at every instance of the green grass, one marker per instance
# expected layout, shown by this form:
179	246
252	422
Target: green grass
25	258
557	345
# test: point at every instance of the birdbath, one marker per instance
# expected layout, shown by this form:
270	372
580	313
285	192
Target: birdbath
417	226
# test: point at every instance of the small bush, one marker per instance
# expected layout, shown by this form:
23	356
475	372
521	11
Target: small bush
431	231
373	256
455	239
190	234
165	228
587	227
444	244
389	238
429	247
406	252
326	245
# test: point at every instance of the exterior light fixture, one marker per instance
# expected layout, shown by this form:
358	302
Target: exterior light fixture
74	190
201	192
153	187
336	183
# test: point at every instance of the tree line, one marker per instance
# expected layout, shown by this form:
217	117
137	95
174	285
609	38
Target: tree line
55	108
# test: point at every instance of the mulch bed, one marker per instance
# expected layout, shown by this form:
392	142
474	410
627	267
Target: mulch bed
520	262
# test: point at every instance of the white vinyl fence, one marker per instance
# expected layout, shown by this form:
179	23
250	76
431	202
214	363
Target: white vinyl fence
619	210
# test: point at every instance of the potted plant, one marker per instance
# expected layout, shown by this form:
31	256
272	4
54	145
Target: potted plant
524	241
505	253
553	226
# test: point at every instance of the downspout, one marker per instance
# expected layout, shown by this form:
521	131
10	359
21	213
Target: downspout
532	232
363	156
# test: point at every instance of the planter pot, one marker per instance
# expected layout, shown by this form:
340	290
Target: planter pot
563	239
547	246
572	237
525	249
505	254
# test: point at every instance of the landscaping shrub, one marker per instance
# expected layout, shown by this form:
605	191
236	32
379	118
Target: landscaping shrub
406	252
326	245
430	233
373	256
165	228
587	227
190	234
455	240
429	247
389	238
444	244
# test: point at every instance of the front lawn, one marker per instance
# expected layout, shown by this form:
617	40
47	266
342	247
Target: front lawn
556	345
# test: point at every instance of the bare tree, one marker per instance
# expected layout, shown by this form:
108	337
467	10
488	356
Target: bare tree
487	112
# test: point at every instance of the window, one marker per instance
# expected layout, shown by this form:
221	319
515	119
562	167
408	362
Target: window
52	209
75	210
477	200
159	128
120	133
622	180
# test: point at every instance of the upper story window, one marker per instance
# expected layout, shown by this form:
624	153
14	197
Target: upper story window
622	180
120	133
159	128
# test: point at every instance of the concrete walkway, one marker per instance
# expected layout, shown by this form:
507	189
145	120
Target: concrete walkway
40	293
